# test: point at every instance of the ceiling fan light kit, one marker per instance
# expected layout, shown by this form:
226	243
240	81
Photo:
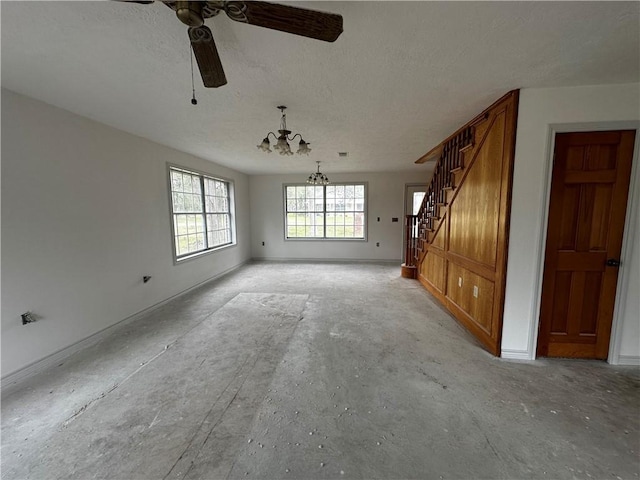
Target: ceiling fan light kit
282	141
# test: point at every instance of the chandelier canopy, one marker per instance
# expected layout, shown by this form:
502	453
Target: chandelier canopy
282	141
318	178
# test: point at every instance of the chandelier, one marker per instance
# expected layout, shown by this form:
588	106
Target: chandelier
317	178
282	141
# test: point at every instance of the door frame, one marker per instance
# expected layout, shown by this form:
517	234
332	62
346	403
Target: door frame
404	210
630	226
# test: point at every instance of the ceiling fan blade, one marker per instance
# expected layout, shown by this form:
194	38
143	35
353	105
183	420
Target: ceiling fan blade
204	48
299	21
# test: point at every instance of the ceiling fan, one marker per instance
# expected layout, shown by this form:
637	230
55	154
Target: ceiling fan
299	21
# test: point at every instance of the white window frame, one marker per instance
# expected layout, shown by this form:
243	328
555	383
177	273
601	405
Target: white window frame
231	213
324	213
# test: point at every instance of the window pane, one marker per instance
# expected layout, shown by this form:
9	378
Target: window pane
188	204
199	224
180	224
186	183
196	202
349	191
178	202
176	181
200	241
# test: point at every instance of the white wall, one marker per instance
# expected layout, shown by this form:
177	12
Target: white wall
541	113
85	214
385	200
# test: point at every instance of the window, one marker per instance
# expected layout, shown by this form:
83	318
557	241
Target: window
201	210
335	211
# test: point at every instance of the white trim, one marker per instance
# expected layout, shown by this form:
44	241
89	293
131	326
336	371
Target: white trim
623	277
628	360
508	354
394	261
13	379
622	288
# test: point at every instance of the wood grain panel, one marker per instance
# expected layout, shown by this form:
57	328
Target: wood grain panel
476	207
594	176
604	158
460	290
590	301
560	307
568	229
600	218
433	270
482	306
439	237
575	157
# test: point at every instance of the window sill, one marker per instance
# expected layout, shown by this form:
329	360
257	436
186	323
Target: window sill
193	256
318	239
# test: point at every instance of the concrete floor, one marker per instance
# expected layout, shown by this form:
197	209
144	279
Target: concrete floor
316	371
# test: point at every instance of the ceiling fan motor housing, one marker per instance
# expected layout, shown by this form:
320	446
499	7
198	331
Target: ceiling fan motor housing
190	13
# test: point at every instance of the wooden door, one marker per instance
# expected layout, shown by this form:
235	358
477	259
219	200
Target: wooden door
589	188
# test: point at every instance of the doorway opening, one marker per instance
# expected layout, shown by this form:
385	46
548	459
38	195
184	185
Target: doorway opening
413	196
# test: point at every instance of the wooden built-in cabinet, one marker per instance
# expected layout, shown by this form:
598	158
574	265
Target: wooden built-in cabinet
461	255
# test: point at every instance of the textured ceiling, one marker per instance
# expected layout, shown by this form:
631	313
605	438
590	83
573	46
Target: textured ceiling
401	77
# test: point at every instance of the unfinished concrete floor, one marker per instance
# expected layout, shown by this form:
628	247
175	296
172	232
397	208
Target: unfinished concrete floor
316	371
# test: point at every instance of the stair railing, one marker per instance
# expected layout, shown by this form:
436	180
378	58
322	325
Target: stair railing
449	160
411	240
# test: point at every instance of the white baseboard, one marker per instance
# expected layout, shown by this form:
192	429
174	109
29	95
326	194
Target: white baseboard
509	354
12	380
395	261
628	360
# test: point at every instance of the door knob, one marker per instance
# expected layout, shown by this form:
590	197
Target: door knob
612	262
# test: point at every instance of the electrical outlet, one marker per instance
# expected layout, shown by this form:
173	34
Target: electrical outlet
28	317
377	244
263	244
460	281
475	291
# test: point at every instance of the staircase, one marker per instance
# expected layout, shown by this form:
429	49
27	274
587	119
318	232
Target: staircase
420	228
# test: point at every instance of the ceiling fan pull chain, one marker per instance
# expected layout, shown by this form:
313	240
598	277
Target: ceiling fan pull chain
193	86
